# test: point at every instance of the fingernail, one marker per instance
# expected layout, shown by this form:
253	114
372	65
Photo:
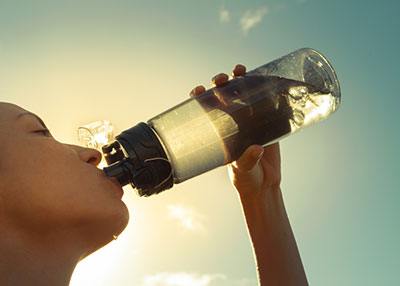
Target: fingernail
197	89
193	92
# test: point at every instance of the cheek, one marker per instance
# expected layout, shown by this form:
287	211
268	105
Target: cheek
49	185
35	185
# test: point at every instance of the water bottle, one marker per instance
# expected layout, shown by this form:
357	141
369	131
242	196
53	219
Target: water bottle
214	128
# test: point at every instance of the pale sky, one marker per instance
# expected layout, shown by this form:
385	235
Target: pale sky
74	62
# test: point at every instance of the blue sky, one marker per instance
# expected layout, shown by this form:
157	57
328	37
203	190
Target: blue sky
65	59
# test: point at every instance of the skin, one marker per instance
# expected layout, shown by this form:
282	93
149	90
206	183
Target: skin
56	206
256	175
48	224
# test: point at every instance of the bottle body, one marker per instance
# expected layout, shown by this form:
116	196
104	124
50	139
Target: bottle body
216	127
262	107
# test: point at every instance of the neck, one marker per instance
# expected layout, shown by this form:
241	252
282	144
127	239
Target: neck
38	260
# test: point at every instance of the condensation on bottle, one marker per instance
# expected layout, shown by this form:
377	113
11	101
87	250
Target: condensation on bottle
262	107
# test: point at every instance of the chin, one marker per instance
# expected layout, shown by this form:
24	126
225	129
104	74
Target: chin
117	221
123	220
104	229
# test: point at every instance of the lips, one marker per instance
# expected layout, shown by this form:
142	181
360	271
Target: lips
118	187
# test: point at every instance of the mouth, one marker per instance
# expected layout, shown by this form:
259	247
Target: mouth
117	187
112	182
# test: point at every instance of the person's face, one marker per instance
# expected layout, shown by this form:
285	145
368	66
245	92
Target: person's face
46	185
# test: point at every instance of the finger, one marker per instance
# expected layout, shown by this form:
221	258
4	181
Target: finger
239	70
197	90
272	154
249	159
220	79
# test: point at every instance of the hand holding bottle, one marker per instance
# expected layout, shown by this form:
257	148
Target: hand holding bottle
228	124
258	169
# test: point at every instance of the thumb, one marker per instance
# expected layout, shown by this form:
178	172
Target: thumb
249	159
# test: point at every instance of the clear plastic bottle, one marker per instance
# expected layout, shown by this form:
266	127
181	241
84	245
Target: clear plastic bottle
214	128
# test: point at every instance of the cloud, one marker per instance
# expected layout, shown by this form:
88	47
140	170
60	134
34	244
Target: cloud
244	282
224	15
181	279
252	18
188	218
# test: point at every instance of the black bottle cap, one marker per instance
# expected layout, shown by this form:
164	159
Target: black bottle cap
144	163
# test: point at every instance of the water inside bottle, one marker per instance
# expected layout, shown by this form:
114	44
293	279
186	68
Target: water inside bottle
220	124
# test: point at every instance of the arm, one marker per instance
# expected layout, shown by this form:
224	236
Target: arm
257	178
274	245
256	175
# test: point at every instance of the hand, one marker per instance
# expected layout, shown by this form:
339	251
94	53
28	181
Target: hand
258	170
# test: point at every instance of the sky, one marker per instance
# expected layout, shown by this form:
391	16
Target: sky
74	62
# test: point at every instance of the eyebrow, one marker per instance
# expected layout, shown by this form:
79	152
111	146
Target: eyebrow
34	115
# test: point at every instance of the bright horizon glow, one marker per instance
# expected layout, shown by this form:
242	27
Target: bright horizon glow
181	279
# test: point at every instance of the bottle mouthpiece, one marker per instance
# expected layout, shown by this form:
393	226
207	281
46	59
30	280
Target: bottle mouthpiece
138	158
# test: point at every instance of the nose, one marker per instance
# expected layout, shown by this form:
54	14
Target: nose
88	155
91	156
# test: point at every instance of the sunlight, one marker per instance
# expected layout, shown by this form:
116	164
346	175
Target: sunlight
181	279
105	260
114	261
96	134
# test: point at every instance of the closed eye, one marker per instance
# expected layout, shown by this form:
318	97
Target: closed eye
44	132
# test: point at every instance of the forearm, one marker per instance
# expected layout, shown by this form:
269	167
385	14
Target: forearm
277	256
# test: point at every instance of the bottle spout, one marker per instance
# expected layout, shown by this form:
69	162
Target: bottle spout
137	157
120	170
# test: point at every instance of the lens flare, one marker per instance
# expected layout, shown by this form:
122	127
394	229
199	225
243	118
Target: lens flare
96	134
